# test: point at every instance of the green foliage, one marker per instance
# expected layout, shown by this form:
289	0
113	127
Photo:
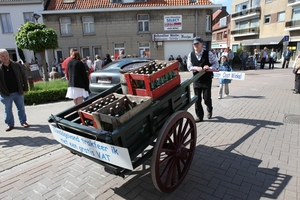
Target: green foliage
36	37
46	92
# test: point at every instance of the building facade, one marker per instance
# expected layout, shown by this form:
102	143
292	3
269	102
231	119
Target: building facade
147	28
14	13
220	29
265	23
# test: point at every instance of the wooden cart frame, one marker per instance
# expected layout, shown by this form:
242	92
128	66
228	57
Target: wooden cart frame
164	128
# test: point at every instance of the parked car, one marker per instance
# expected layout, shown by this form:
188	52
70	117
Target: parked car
109	76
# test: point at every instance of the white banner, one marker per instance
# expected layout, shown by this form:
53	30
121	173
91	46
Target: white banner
115	155
230	75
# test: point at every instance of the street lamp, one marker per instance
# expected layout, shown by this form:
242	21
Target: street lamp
36	17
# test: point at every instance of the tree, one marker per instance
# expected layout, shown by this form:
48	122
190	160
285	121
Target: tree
39	38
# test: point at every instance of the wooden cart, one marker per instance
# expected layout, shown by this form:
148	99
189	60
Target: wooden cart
164	131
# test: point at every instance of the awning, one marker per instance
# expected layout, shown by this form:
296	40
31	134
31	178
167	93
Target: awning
268	41
248	42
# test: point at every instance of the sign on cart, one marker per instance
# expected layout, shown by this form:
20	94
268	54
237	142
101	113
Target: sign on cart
230	75
115	155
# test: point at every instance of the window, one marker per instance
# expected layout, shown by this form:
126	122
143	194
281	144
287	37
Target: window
268	1
85	51
296	14
144	50
118	48
65	26
223	21
255	3
241	25
280	16
143	22
254	23
116	1
267	19
28	17
241	7
208	23
213	37
219	36
97	51
88	25
6	23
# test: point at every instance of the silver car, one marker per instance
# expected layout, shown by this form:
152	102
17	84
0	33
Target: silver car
109	76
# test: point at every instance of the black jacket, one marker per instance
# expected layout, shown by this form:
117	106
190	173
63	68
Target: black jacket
77	75
20	78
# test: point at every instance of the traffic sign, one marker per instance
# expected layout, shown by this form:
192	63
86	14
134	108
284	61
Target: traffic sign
286	38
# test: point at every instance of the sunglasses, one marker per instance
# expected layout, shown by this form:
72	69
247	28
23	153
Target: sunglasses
195	43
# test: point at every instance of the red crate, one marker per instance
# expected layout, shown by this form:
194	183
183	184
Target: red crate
147	79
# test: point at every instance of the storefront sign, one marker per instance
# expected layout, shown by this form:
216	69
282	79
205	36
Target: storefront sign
172	36
172	22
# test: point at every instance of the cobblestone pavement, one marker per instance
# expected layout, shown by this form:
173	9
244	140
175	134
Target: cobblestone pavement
248	150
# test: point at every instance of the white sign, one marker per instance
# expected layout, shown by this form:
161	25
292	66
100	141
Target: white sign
172	22
172	36
115	155
230	75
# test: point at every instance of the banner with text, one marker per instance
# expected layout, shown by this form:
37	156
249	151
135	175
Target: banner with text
115	155
230	75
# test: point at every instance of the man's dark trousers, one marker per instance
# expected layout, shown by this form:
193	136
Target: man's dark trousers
206	92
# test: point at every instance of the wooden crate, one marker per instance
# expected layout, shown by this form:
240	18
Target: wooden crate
155	93
107	122
85	113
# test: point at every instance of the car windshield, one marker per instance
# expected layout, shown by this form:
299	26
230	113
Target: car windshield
116	65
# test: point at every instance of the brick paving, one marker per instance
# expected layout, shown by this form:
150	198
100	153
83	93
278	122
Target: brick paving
248	150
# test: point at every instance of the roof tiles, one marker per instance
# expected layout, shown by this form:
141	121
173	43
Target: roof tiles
96	4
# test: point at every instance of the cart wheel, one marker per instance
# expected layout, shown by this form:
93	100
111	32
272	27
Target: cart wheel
173	152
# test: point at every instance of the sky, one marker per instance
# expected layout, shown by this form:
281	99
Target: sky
226	3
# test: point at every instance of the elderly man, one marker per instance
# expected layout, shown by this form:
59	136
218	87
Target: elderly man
13	85
202	60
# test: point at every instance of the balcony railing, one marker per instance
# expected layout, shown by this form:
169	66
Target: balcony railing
292	24
246	31
293	2
245	12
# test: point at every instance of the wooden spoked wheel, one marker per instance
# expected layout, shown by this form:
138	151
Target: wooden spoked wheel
174	151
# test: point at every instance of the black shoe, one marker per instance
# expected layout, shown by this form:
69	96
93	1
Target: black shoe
198	120
293	89
296	92
9	128
209	115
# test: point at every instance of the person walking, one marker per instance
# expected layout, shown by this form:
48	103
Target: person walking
64	64
230	57
224	82
263	56
171	58
287	54
179	59
98	64
78	86
244	58
272	58
202	60
107	59
13	85
296	69
255	58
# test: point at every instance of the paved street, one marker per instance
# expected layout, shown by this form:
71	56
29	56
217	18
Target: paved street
250	149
